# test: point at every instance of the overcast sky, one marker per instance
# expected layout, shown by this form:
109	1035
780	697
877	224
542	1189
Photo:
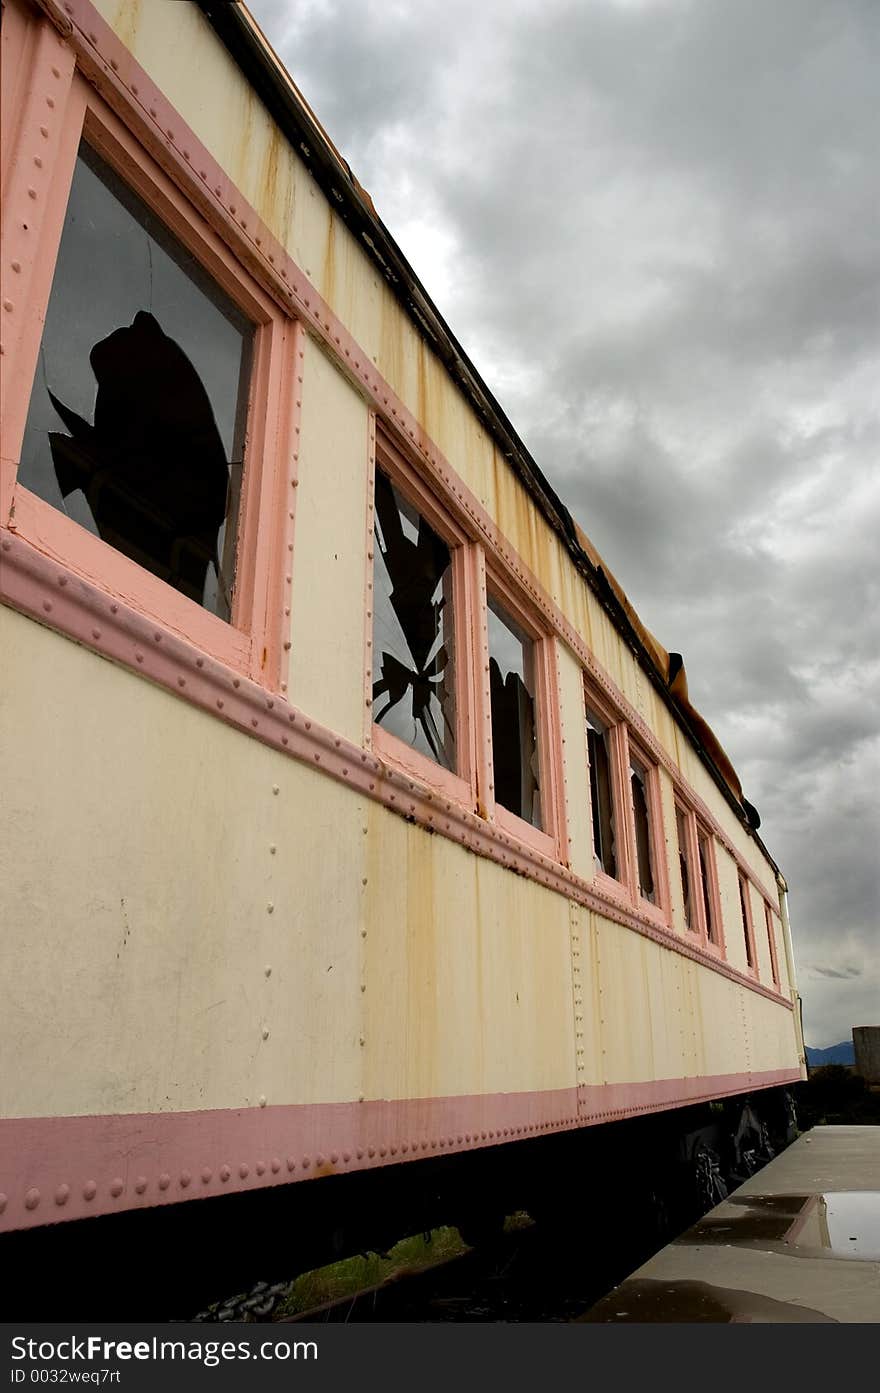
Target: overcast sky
655	227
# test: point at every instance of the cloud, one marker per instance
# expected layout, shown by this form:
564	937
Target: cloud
832	972
653	226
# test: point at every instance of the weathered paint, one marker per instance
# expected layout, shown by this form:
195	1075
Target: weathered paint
198	902
329	556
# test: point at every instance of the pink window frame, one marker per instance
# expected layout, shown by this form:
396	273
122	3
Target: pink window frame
253	642
551	839
743	887
717	944
621	886
460	784
771	943
694	829
661	911
693	868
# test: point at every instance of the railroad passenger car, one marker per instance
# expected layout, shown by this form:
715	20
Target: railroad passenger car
351	817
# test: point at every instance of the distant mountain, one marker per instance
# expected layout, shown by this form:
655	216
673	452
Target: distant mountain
835	1054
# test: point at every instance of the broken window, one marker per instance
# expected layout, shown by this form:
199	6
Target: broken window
600	757
137	418
771	944
704	853
684	863
413	652
514	724
638	777
746	921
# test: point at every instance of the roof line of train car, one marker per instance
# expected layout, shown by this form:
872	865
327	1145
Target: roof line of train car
237	30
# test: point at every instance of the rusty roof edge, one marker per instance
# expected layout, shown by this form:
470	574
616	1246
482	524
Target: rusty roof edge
244	41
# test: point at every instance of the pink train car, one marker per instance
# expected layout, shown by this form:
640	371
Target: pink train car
351	819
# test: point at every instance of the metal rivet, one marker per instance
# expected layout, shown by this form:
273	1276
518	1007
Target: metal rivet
90	1189
140	1184
32	1199
62	1194
117	1187
206	1174
225	1173
265	1032
262	1100
244	1170
261	1168
267	970
164	1180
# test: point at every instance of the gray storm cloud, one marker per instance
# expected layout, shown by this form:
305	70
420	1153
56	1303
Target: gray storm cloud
653	224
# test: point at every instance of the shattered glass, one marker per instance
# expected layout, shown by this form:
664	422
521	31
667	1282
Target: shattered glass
743	891
711	929
413	653
601	797
641	816
137	418
684	867
514	727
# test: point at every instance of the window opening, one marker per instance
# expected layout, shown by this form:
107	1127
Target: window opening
413	651
146	365
642	820
711	926
514	725
747	934
601	798
771	944
684	867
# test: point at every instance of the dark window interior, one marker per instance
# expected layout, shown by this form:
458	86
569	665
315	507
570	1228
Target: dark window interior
137	417
641	817
514	729
743	891
711	927
413	667
771	945
601	797
684	867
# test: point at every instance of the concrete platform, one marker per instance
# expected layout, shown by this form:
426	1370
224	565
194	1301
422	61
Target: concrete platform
800	1241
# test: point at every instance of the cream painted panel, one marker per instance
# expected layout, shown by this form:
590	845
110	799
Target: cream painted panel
625	1013
772	1039
591	927
721	1023
467	972
663	1016
676	1047
577	774
330	551
138	875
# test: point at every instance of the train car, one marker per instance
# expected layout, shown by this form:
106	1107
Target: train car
353	823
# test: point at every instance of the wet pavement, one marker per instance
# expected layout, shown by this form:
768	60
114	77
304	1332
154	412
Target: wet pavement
800	1241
